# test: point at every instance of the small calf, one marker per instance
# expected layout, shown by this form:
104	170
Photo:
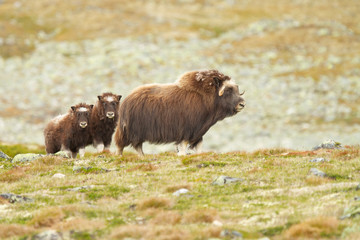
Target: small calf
104	118
69	132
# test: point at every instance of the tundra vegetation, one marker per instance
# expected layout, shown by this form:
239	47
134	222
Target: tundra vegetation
278	197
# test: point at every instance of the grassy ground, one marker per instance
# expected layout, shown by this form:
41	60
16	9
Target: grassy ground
277	199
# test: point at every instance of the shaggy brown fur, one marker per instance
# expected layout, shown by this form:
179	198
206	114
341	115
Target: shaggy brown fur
104	118
69	132
181	112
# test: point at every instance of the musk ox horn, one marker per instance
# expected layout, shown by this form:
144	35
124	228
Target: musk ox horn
222	89
242	93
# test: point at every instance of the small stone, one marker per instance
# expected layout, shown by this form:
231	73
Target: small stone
319	160
48	235
222	180
13	198
317	172
27	157
357	198
329	144
58	175
231	234
217	223
180	191
4	156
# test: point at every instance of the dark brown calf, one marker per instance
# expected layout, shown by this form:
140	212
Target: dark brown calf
69	132
181	112
104	118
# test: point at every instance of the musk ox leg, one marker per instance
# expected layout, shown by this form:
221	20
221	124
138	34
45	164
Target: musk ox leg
197	146
139	149
100	147
74	154
181	148
82	152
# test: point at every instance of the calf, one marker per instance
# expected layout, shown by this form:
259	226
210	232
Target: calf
69	132
103	121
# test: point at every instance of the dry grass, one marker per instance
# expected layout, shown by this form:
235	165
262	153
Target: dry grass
313	228
166	233
47	217
14	175
166	218
315	181
155	202
200	216
143	167
79	224
129	231
14	230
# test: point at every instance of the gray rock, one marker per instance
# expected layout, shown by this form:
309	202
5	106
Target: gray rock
27	157
4	156
329	144
317	172
222	180
58	175
63	154
231	233
180	192
351	212
13	198
357	198
48	235
317	160
80	188
358	187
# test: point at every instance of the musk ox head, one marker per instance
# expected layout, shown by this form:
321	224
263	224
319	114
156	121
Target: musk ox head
81	113
230	99
108	104
223	88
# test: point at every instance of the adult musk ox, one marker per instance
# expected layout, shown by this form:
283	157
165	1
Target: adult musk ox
69	132
104	118
181	112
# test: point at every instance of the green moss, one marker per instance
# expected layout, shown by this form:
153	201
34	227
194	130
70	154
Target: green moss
112	191
12	150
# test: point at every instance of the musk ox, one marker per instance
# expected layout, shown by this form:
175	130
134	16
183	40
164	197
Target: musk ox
181	112
69	132
104	118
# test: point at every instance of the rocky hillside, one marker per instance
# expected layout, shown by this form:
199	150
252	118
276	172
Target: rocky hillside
267	194
298	62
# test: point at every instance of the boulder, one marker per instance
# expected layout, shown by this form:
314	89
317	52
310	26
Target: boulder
27	157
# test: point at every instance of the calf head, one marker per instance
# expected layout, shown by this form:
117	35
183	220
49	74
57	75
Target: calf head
81	113
108	105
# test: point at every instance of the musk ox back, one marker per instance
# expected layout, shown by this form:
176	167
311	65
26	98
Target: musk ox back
69	132
104	118
181	112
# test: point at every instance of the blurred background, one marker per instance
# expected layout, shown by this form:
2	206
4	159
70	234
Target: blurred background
297	60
